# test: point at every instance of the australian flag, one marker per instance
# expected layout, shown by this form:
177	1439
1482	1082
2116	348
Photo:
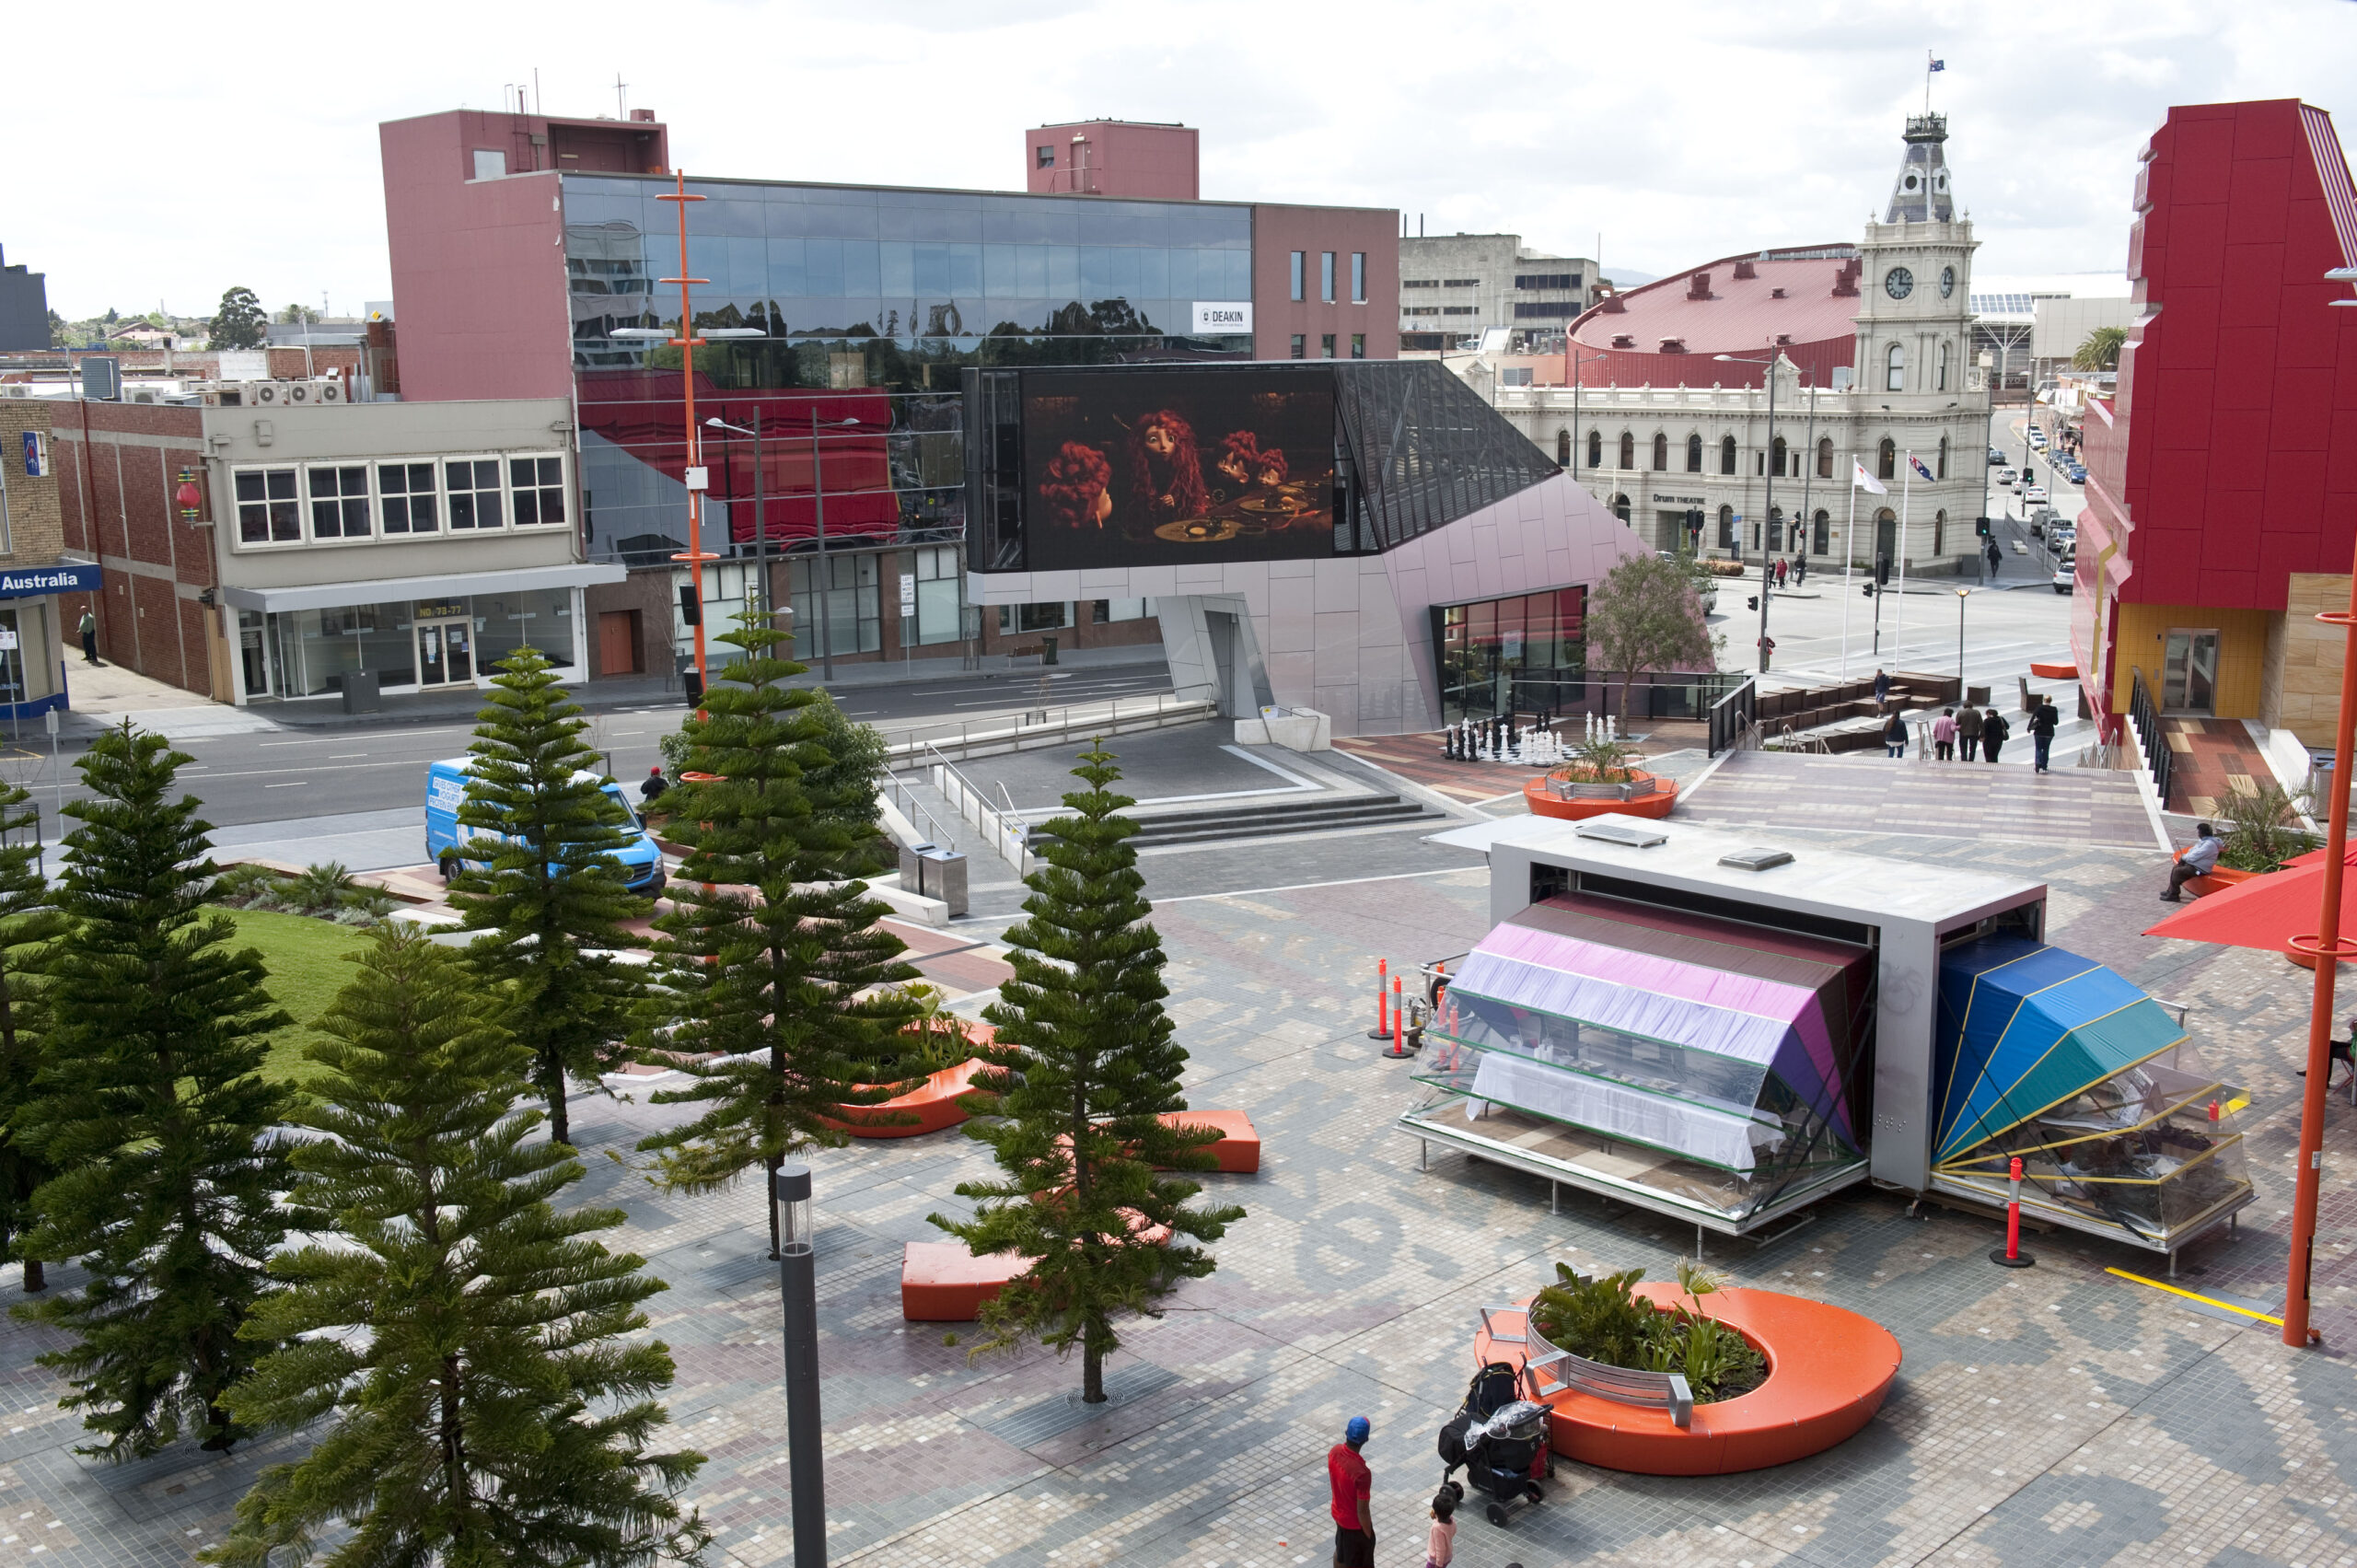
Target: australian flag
1939	66
1916	464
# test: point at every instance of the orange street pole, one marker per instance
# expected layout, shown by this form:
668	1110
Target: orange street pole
686	342
2327	949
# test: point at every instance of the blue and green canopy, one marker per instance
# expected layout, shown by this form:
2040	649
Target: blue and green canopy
2023	1026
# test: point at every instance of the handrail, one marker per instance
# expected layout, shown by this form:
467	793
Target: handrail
912	807
2146	715
1621	1385
1014	722
1007	835
1731	713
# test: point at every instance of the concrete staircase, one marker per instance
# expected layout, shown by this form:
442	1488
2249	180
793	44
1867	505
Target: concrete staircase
1324	814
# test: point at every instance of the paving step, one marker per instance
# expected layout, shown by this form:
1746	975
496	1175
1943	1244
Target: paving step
1267	821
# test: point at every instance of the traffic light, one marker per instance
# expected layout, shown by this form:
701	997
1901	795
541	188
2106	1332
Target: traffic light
1980	526
1882	569
1751	603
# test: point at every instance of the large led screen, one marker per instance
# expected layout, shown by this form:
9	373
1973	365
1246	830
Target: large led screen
1153	468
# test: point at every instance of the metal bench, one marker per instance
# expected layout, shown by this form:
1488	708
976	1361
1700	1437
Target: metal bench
1551	1371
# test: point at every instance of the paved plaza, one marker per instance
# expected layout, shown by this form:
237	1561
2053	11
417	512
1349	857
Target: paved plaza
2058	1415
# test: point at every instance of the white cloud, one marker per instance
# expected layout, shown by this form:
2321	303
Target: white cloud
246	151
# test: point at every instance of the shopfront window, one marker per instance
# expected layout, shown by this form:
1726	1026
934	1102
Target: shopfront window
938	607
308	653
854	610
1523	654
12	657
541	618
1047	616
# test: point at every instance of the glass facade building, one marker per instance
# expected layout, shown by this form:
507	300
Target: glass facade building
887	293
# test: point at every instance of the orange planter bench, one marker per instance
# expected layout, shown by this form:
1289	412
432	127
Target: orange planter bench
928	1108
1545	802
1829	1371
941	1281
1239	1149
2055	672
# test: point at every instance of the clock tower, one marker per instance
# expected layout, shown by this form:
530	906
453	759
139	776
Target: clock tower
1915	324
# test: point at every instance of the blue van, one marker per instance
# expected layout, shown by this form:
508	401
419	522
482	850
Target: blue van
446	789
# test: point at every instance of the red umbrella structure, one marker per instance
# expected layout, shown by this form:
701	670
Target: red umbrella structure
2265	912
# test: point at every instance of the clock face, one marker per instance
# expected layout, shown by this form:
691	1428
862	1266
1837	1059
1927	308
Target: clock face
1948	281
1899	283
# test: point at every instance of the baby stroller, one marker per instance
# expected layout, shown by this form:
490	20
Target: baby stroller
1498	1439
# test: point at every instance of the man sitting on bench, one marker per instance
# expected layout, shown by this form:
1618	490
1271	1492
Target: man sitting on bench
2200	859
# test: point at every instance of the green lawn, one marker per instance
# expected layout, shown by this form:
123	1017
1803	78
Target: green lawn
308	966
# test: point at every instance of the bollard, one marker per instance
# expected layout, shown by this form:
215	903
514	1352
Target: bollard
1398	1047
1381	1029
2012	1257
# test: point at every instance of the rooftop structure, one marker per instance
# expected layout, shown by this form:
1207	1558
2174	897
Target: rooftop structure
1113	158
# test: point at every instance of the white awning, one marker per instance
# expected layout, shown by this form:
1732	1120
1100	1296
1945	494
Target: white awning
389	590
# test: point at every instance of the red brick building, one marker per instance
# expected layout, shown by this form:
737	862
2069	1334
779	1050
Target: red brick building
118	467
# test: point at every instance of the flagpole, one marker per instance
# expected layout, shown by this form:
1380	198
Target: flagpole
1899	612
1849	565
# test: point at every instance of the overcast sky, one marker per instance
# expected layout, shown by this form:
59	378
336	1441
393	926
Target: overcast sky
238	143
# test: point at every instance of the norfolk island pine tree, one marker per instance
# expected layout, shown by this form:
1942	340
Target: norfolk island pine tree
777	986
546	887
459	1348
152	1112
29	923
1083	1069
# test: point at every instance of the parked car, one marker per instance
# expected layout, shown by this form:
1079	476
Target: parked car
446	787
2035	493
2036	438
2066	574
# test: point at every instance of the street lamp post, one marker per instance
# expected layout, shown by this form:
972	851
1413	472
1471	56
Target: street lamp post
2326	947
1767	587
798	1291
1961	595
761	518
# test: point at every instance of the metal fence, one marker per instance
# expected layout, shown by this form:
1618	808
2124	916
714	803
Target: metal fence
2151	734
1731	716
1115	714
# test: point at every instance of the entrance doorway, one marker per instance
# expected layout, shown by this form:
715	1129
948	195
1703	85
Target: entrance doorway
446	653
2189	673
617	644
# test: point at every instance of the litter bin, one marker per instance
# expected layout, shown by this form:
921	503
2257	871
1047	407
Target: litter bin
912	867
1047	650
944	877
360	692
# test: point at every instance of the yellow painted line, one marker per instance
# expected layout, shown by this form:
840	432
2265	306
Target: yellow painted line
2190	1296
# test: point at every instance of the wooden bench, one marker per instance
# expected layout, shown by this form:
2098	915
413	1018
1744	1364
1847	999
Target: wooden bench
941	1281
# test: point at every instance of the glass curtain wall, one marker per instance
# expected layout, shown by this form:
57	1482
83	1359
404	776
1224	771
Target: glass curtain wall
854	617
862	290
1525	654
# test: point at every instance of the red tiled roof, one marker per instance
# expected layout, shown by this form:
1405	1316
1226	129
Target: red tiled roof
1791	303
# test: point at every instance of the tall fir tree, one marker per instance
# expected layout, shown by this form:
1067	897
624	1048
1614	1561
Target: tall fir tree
1082	1070
546	888
30	922
154	1114
461	1348
768	948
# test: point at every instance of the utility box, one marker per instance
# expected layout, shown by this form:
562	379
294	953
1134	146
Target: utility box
942	874
360	692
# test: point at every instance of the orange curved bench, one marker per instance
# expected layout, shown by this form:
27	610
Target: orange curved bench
1544	802
927	1108
941	1281
1239	1149
2055	672
1829	1370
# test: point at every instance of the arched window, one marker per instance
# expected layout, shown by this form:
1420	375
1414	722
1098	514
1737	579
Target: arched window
1940	532
1887	460
1823	528
1944	459
1627	450
1596	448
1693	454
1726	455
1896	381
1621	503
1780	463
1726	528
1886	540
1563	448
1944	366
1661	452
1775	527
1824	460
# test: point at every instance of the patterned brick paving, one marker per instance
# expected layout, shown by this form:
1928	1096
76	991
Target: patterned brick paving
2214	757
1874	794
2057	1416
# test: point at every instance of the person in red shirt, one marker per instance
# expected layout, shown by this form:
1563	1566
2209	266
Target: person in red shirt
1354	1525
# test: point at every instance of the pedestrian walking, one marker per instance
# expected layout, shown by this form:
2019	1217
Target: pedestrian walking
1993	733
1882	689
1995	555
1894	735
652	790
2200	859
1353	1485
1800	571
1943	735
1440	1542
89	629
1781	567
2043	719
1967	732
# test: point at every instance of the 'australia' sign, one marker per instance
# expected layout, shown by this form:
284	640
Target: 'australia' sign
66	577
